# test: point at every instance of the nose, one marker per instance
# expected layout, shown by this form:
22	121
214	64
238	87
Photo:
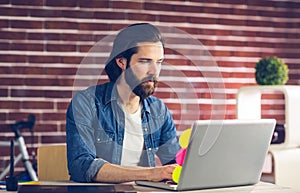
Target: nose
154	68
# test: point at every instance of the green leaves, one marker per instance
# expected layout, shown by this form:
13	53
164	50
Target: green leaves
271	71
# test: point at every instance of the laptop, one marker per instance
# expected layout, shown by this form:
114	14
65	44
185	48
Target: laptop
223	153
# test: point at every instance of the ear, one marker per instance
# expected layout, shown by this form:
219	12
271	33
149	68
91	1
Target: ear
121	62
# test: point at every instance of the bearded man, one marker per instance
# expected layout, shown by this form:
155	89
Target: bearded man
115	130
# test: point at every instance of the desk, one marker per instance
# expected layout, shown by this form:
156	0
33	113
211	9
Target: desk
261	187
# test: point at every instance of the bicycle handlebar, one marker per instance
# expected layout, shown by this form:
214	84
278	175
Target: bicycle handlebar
23	124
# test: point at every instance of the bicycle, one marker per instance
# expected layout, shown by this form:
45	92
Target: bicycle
19	141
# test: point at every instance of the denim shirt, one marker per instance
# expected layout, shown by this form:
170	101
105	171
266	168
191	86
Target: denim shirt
95	132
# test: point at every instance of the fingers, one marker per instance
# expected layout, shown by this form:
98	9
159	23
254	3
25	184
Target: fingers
169	171
163	172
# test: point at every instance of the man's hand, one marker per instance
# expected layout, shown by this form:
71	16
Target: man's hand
160	173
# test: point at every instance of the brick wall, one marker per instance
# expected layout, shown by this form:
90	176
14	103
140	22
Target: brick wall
43	43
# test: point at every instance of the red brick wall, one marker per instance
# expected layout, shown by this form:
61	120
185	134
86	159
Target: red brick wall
42	44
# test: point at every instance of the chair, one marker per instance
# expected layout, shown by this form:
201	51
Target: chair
52	162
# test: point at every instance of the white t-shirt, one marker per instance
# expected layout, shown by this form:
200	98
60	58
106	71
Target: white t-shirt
133	142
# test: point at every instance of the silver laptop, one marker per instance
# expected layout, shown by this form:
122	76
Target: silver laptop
223	153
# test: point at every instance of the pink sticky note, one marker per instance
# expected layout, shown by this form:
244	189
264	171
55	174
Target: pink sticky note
180	156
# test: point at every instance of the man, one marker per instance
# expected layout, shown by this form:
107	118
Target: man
114	130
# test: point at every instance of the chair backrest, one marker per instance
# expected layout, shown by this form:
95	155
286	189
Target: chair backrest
52	162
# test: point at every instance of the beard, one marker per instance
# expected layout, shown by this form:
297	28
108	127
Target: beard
141	88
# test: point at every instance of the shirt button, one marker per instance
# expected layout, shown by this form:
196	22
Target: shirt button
145	129
149	149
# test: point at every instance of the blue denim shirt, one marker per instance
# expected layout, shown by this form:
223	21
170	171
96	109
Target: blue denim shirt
95	132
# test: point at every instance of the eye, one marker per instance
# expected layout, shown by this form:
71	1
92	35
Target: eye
145	61
159	62
149	61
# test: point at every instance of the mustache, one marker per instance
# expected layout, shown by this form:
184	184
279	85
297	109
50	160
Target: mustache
151	78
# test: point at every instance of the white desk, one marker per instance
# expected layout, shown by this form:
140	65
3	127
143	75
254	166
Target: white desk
261	187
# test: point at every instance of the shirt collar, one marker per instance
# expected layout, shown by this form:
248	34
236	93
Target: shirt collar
111	93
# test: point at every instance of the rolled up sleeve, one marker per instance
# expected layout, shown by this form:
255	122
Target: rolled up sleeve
81	119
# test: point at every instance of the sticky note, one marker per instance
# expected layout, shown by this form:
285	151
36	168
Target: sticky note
176	174
184	138
180	156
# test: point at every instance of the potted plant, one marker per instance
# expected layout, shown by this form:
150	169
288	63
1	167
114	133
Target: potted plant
271	71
